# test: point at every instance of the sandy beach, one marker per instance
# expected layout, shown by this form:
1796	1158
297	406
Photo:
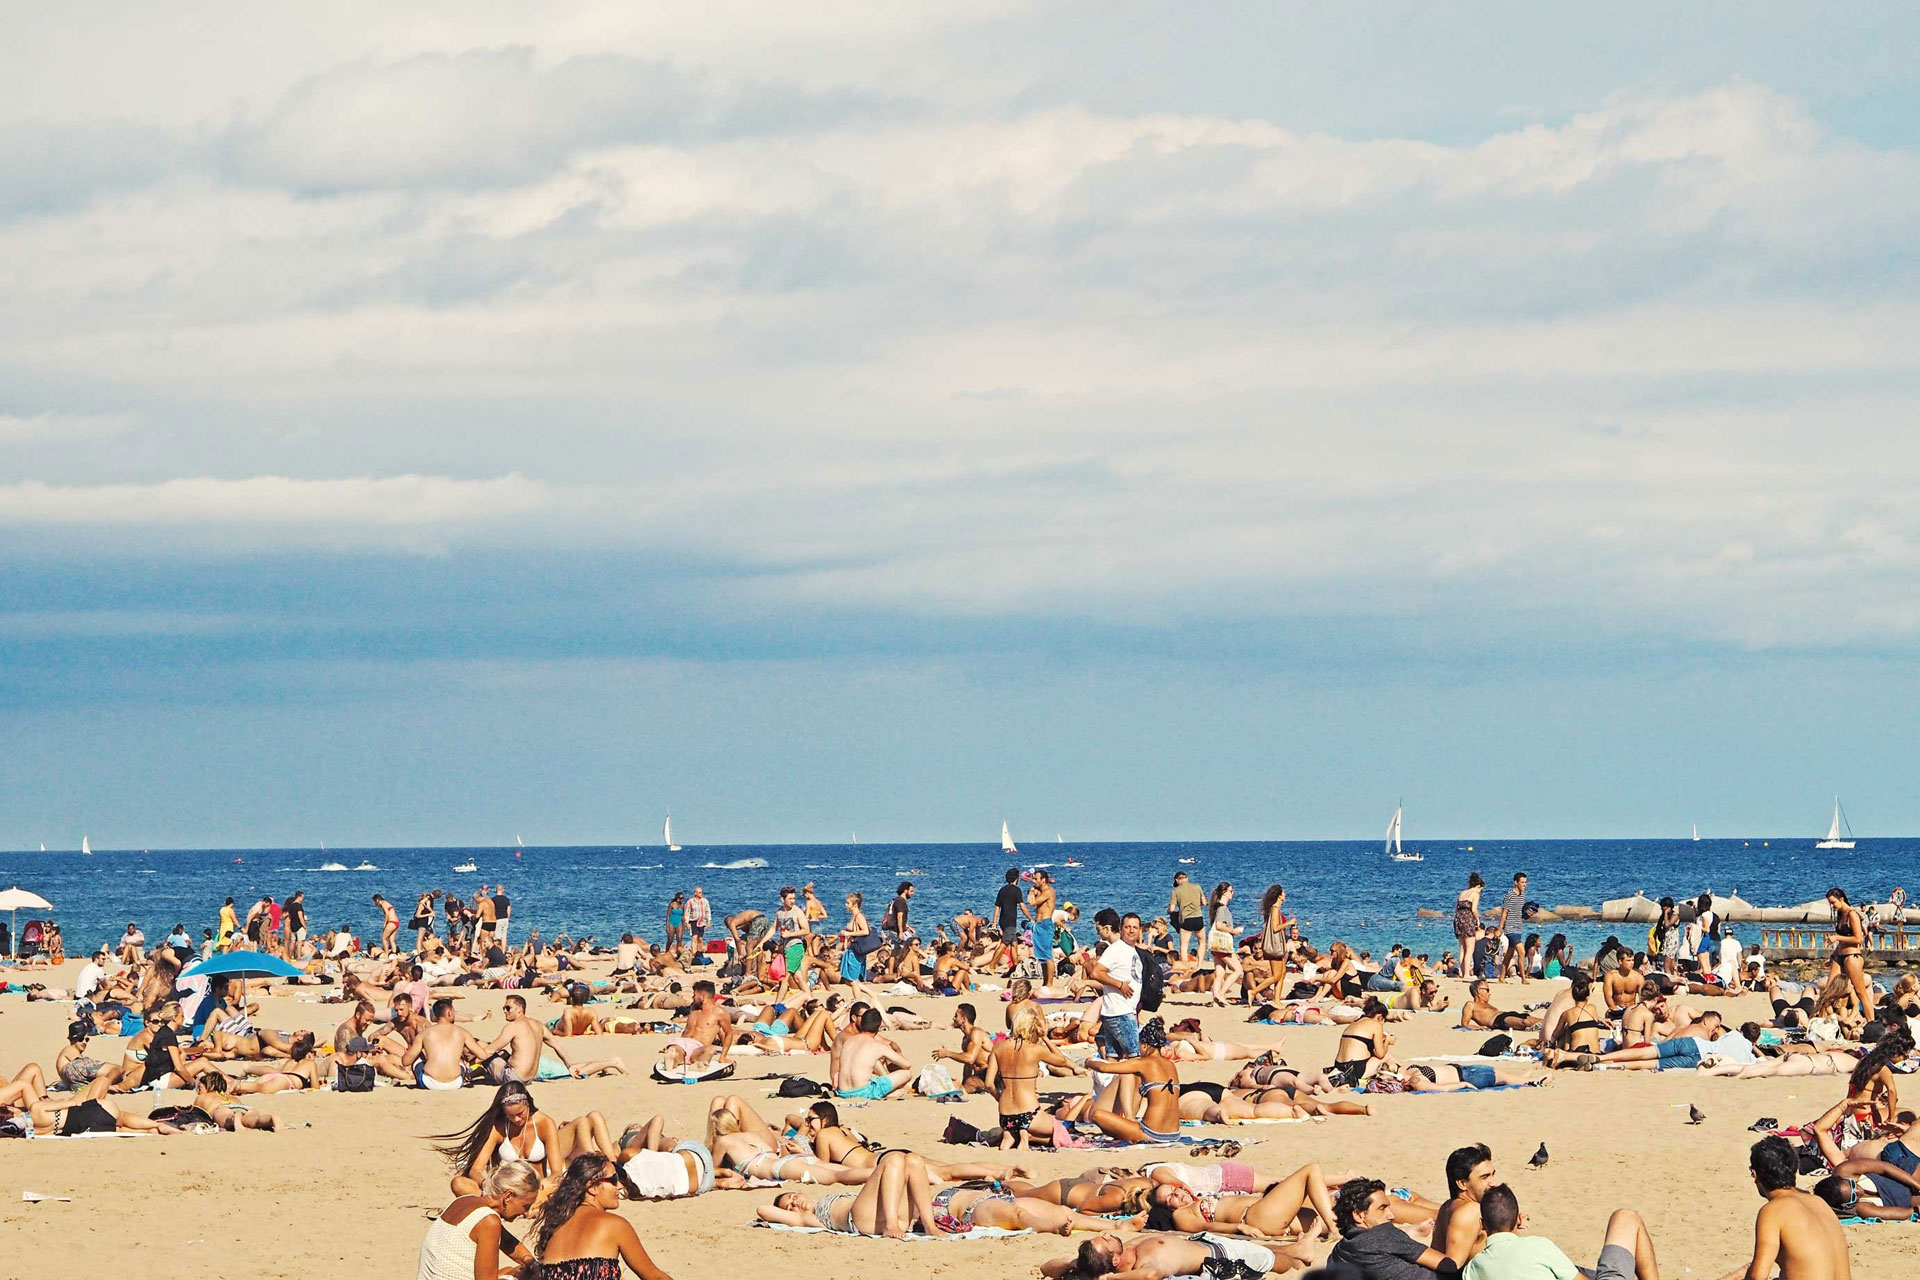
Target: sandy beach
345	1190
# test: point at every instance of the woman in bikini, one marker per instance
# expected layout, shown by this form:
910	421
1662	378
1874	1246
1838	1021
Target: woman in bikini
1337	979
1013	1077
1364	1045
1466	921
1583	1028
389	925
514	1128
422	922
963	1208
1100	1190
740	1138
897	1199
580	1237
1850	950
1212	1103
300	1070
212	1107
1273	1211
1156	1099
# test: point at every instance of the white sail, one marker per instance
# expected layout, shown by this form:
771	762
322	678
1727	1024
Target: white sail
517	840
85	847
670	844
1006	840
1057	839
1834	839
1696	831
1393	832
43	848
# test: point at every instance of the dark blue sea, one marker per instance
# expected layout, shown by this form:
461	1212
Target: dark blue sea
1340	889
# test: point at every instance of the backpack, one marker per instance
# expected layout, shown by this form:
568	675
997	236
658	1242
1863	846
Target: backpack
1153	980
1495	1046
801	1087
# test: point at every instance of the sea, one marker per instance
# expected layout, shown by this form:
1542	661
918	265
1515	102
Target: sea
1338	889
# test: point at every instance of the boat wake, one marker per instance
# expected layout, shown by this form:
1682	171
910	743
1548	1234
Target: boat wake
332	866
742	864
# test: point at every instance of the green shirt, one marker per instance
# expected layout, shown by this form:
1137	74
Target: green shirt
1515	1257
1187	903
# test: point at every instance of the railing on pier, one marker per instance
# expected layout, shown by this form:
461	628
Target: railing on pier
1901	943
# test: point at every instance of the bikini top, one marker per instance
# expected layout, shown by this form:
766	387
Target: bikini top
535	1153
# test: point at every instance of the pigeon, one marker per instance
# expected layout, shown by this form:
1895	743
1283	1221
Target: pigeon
1539	1160
1694	1114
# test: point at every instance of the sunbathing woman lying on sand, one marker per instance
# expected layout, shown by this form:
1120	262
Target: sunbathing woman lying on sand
1217	1104
897	1199
1172	1206
212	1108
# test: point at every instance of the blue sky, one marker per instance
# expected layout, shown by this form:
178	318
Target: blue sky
1166	421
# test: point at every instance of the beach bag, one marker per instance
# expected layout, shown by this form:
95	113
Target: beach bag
1495	1046
1219	939
1273	942
935	1081
801	1087
357	1078
1153	981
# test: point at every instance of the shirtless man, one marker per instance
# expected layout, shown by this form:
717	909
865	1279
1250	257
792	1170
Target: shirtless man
950	972
1158	1255
439	1054
968	922
975	1048
1457	1230
484	922
870	1067
1479	1011
1621	988
524	1040
1794	1231
709	1031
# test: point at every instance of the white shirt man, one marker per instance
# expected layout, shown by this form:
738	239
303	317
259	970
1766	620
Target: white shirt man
91	977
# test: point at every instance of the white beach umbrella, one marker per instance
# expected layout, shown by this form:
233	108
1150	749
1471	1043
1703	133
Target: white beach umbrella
15	898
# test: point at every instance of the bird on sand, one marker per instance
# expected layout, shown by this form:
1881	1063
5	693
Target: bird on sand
1694	1114
1539	1160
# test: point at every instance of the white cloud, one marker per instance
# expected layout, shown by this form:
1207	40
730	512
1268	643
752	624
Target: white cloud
275	500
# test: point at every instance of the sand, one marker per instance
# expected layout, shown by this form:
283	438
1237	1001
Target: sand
347	1189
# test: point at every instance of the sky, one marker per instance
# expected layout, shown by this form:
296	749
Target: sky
428	424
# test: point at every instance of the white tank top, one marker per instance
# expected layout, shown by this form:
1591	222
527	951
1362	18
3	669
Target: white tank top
447	1252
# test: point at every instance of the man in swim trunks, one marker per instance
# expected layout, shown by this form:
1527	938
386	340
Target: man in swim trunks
975	1048
439	1054
1187	913
870	1067
1158	1256
709	1034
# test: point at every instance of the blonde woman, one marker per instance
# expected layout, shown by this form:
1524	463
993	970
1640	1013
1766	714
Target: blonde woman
1013	1076
466	1241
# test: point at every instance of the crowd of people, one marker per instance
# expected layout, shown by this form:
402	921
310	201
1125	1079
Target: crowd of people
1083	1008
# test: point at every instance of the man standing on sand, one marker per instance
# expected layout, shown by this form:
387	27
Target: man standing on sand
1513	923
709	1032
502	913
1794	1231
699	918
1457	1229
894	923
871	1067
483	922
438	1055
1187	912
1117	972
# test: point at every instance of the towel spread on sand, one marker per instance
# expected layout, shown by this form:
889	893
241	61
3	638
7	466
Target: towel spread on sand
912	1237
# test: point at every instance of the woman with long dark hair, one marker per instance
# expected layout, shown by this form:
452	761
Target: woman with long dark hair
514	1128
580	1237
1466	921
1223	942
1850	950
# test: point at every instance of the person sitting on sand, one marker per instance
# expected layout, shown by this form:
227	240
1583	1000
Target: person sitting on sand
1899	1147
1795	1232
1479	1012
302	1070
580	1236
514	1128
1273	1211
439	1054
869	1066
709	1032
1160	1256
1156	1098
72	1065
1626	1251
1364	1046
1370	1241
1707	1037
975	1049
1583	1031
1013	1077
467	1239
525	1050
896	1199
1457	1229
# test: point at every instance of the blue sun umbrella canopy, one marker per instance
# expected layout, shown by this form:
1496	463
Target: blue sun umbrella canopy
242	964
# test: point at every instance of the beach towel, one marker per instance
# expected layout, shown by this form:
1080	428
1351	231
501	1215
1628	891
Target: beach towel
912	1237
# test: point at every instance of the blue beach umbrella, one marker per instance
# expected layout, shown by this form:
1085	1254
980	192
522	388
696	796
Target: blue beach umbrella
243	965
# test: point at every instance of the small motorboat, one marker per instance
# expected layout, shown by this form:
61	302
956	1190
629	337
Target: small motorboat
466	867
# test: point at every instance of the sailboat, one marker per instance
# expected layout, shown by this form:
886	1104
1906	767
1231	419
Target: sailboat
1834	839
43	848
1006	840
1057	839
671	846
1393	840
1696	833
85	847
856	837
518	841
